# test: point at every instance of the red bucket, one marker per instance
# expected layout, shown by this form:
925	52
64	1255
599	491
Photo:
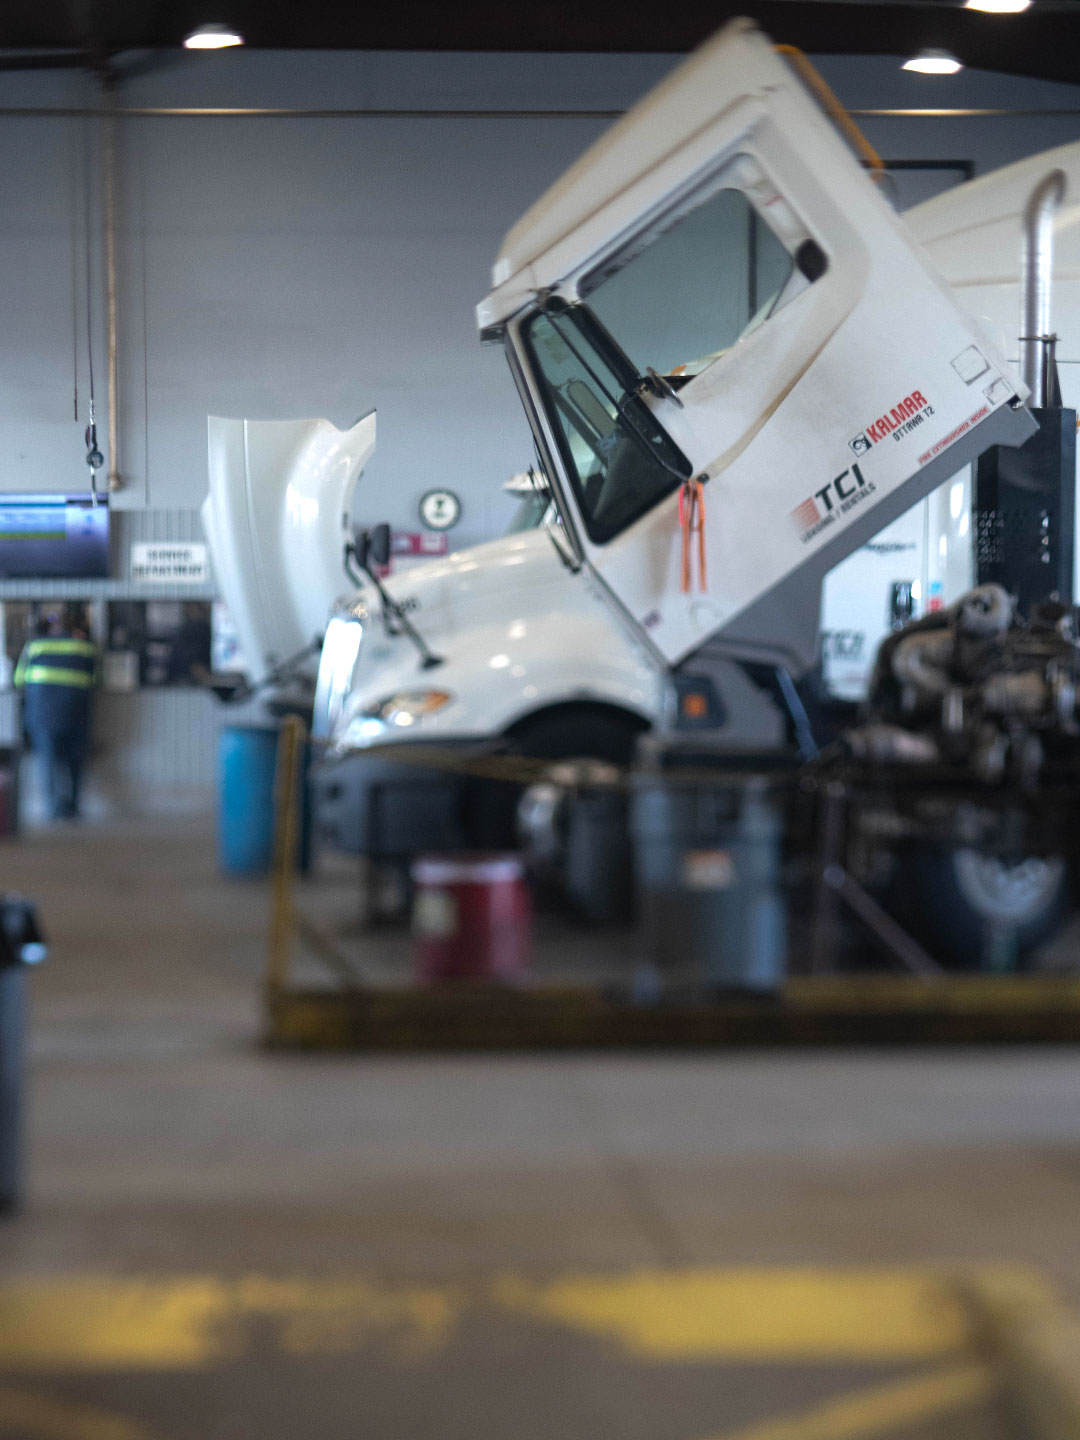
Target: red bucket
471	917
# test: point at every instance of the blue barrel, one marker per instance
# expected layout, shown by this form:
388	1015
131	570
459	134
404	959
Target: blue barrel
247	760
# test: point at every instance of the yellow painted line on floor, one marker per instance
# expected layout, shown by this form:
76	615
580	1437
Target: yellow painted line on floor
39	1417
798	1314
193	1322
879	1409
90	1323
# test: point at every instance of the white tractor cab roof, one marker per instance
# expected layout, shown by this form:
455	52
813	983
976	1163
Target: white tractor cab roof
275	521
856	388
972	234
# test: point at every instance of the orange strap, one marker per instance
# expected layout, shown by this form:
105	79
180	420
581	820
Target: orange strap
691	520
832	106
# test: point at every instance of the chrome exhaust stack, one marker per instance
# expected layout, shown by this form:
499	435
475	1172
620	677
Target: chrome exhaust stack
1036	281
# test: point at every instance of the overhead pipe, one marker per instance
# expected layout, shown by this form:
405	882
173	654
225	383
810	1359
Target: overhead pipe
235	112
1036	284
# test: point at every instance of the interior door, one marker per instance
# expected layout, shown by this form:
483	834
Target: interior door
717	290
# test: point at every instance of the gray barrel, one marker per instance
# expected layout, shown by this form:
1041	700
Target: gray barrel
707	863
599	877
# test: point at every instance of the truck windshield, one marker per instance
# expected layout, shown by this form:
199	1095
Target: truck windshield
617	458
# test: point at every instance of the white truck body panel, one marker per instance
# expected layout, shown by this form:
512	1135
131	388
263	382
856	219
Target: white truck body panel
929	547
973	234
516	631
275	522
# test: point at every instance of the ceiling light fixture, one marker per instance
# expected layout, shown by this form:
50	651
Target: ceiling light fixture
998	7
213	37
933	62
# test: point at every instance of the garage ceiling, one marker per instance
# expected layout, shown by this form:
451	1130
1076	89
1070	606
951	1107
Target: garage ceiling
1042	42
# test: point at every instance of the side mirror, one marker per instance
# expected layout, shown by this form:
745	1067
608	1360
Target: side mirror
359	547
379	545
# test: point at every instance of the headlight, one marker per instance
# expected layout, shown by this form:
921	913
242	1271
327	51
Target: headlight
341	646
408	706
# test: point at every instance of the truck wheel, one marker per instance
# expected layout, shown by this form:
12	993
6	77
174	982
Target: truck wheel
492	805
578	736
580	849
954	899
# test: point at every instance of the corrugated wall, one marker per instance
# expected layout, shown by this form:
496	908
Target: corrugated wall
155	749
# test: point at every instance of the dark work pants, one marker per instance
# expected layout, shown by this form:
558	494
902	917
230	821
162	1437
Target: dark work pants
61	755
57	719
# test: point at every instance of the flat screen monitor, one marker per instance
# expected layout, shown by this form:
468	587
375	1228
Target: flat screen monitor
52	537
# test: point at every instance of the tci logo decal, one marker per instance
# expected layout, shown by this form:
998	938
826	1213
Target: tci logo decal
825	506
901	420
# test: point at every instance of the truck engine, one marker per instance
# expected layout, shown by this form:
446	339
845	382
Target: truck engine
976	685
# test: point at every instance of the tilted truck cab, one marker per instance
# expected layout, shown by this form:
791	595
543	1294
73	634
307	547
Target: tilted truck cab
716	293
811	407
858	385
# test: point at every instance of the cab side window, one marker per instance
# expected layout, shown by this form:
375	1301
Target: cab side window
688	290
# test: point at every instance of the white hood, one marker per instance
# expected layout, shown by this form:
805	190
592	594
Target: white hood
275	520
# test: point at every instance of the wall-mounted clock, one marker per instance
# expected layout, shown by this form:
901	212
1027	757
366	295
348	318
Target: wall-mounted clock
440	509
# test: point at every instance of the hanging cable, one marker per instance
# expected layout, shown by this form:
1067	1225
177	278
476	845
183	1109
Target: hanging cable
94	458
75	285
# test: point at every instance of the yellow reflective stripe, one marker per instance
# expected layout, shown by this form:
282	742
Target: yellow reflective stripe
57	675
61	647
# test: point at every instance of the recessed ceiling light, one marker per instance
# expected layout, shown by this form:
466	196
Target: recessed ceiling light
998	7
933	62
213	37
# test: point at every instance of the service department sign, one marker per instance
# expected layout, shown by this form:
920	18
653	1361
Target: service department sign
169	563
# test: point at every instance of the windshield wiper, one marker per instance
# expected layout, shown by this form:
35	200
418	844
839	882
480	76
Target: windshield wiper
623	407
370	548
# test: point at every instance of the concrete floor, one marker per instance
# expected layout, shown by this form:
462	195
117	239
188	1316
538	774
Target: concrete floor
222	1243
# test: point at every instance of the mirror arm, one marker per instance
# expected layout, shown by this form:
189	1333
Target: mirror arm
390	607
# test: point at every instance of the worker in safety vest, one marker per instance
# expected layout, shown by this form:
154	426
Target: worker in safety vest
57	673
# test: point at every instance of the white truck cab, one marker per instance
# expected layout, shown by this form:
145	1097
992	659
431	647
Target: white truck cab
713	305
813	383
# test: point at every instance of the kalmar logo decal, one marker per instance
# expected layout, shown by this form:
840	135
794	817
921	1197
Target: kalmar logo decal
901	420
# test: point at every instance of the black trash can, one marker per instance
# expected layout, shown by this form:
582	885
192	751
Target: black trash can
10	756
707	860
21	944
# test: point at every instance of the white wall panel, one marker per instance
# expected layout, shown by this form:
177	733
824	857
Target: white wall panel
155	748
